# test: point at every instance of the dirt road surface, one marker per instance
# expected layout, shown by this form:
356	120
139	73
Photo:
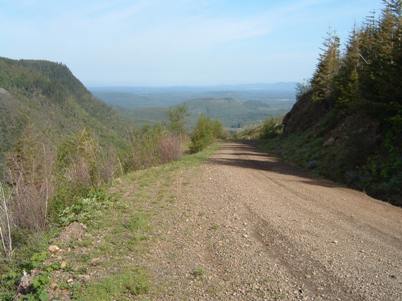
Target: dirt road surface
246	226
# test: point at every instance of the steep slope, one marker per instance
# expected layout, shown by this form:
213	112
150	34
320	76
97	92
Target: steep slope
346	145
47	97
347	122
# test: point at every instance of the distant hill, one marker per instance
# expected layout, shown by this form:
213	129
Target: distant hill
236	113
235	105
49	98
233	113
139	97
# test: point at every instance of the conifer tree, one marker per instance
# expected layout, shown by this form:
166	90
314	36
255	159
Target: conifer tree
327	68
395	7
347	80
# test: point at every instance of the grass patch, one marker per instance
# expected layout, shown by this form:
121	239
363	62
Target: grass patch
118	225
198	272
123	230
121	286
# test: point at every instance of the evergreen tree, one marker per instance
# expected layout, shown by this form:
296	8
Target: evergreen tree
395	7
347	80
327	68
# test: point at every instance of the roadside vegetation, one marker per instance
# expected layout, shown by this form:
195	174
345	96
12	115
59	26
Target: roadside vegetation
205	133
59	177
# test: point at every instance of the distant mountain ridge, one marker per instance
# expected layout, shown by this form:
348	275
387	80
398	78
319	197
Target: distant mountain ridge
235	105
137	97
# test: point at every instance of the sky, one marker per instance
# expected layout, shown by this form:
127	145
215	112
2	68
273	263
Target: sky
177	42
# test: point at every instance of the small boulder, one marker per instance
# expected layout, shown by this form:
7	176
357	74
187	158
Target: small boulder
63	264
74	231
53	249
95	261
4	92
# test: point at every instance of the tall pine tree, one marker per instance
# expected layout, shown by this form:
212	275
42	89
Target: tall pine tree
327	68
347	88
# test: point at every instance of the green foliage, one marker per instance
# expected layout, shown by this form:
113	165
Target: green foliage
347	80
145	147
327	68
48	98
39	285
205	132
77	168
122	286
86	209
198	272
271	128
234	113
41	281
302	88
177	119
30	254
66	170
357	102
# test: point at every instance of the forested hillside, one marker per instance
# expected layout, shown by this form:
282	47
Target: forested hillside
347	122
60	149
46	97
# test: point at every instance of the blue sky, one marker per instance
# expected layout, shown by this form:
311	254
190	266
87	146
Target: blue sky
177	42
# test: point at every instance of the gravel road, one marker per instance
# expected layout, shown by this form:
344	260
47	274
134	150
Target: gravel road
245	226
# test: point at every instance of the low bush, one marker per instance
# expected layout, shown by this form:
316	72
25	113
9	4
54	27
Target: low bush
5	222
169	148
30	174
78	168
48	184
205	133
152	146
271	127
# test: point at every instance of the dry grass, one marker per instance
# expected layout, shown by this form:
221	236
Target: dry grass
170	148
5	222
31	177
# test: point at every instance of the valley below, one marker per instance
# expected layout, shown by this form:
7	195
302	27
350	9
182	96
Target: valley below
235	106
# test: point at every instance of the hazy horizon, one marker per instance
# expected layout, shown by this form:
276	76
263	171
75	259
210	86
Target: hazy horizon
158	43
190	86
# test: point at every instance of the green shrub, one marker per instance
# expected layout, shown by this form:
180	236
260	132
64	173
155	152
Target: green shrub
77	168
177	120
152	145
86	209
271	128
204	133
